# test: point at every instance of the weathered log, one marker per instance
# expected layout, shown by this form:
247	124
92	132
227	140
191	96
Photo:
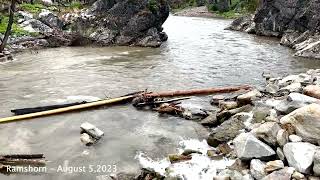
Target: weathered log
160	102
22	156
15	162
199	91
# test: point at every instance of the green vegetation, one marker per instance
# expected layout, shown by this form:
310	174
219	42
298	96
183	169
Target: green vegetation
76	5
16	30
32	8
153	6
235	8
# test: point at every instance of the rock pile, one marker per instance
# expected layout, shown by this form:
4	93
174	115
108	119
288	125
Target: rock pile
271	133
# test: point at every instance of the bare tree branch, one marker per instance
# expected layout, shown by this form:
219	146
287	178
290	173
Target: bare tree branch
9	26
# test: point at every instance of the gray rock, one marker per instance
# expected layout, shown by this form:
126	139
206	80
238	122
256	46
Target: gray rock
257	169
272	88
91	130
33	25
283	174
86	139
300	155
260	113
295	101
280	154
312	90
268	132
228	104
227	131
293	87
274	165
232	174
249	147
316	162
298	176
295	138
216	99
210	121
50	19
248	97
306	121
24	15
282	137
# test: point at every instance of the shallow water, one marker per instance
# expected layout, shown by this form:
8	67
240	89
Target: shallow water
199	53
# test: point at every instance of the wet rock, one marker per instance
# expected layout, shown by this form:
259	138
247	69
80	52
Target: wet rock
227	131
295	138
260	113
248	97
298	176
178	158
294	87
232	174
249	147
50	19
313	178
91	130
87	139
274	165
283	174
242	24
312	90
280	154
187	152
316	162
267	132
282	137
228	104
272	88
306	121
216	99
221	178
240	166
226	114
272	117
257	169
210	121
300	155
224	148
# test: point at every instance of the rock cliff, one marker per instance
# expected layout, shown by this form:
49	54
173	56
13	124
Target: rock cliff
296	22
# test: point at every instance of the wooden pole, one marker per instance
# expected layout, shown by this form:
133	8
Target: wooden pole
206	91
66	109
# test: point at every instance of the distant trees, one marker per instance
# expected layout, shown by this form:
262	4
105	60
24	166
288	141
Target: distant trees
9	26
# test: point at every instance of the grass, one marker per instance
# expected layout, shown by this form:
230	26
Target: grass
15	30
32	8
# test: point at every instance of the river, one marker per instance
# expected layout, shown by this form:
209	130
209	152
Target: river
199	53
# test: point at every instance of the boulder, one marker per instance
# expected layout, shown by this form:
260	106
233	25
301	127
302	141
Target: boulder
283	174
228	104
210	121
91	130
300	155
298	176
282	137
306	122
257	169
280	154
248	97
272	88
50	19
260	113
295	138
312	90
267	132
33	25
247	147
227	131
316	162
24	15
274	165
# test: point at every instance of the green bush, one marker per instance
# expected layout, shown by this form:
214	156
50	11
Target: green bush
153	6
76	5
32	8
15	30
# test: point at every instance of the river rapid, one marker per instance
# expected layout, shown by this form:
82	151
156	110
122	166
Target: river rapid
199	53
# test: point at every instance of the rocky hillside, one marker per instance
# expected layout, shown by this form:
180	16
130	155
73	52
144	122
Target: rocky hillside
296	22
117	22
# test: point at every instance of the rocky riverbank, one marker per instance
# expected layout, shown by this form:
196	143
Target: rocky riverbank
271	132
201	11
295	22
105	23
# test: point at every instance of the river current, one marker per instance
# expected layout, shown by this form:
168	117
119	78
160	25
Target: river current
199	53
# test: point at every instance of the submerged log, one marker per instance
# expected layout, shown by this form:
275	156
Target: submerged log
161	102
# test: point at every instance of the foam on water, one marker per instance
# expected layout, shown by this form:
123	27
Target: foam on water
200	167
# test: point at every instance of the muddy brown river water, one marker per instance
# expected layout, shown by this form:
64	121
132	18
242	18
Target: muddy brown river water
199	53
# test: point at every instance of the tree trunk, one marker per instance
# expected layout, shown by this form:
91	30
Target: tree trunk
8	31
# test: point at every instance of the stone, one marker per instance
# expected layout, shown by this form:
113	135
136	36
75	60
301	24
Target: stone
272	88
33	25
300	155
224	148
216	99
295	138
316	162
228	104
294	87
312	90
313	178
86	139
91	130
280	154
47	17
293	102
221	178
227	131
25	15
226	114
282	137
306	122
232	174
248	97
247	147
210	121
274	165
173	158
298	176
257	168
187	152
268	132
260	113
282	174
273	116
